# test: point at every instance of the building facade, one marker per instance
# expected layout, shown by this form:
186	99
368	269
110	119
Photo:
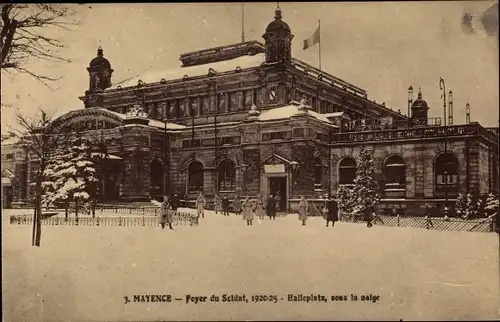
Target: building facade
250	119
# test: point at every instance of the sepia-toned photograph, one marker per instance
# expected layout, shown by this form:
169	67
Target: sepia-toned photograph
250	161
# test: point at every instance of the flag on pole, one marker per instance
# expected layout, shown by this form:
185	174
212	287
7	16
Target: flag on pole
313	40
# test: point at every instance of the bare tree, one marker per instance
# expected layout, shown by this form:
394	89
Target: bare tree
27	34
42	142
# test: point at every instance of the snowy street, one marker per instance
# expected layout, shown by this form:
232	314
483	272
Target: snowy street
84	273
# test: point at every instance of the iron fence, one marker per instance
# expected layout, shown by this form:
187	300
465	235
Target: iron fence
485	225
179	219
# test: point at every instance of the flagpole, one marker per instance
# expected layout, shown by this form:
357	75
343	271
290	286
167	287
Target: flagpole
242	22
319	40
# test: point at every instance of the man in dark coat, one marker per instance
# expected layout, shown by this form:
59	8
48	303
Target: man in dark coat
271	207
225	206
332	211
368	216
174	201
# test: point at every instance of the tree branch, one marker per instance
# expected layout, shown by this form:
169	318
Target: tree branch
22	38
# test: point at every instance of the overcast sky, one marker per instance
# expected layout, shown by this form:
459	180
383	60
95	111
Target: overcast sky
382	47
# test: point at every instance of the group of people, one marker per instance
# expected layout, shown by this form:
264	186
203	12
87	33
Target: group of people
250	208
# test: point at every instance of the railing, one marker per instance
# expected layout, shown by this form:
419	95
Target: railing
414	133
179	219
486	225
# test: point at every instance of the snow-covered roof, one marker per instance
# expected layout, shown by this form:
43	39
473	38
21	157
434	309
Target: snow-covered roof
6	173
10	140
192	71
288	111
335	114
109	156
170	126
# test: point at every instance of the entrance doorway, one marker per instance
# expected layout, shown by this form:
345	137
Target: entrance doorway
110	185
277	188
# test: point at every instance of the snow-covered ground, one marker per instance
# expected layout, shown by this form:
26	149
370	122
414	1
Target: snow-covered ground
83	273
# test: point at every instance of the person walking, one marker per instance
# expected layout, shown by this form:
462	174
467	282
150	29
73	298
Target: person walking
175	201
271	207
237	205
165	216
259	208
303	210
200	205
333	213
368	215
217	204
248	211
278	201
225	206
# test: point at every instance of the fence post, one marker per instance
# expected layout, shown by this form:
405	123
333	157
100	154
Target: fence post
398	219
130	210
120	221
143	219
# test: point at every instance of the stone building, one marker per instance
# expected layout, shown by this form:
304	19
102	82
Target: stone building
250	119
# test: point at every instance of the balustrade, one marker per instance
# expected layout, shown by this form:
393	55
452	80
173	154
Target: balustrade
414	133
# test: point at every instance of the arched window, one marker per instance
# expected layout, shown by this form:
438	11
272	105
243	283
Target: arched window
195	176
156	178
347	171
394	176
318	171
446	172
226	174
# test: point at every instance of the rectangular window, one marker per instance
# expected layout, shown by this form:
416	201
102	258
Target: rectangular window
205	107
298	133
185	143
182	108
233	102
222	103
194	104
258	97
241	101
10	156
208	142
248	99
225	140
273	95
266	136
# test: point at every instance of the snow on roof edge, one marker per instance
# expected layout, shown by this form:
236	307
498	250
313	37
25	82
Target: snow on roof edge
193	71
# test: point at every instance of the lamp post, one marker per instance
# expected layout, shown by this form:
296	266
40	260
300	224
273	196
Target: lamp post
165	155
410	100
442	87
467	113
294	165
243	168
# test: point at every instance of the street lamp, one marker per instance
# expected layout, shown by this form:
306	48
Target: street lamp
165	156
294	165
442	87
467	113
243	168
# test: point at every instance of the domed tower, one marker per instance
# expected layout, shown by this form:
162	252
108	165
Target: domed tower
278	39
99	73
419	110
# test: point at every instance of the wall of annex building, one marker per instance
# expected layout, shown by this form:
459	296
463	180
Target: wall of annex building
420	157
